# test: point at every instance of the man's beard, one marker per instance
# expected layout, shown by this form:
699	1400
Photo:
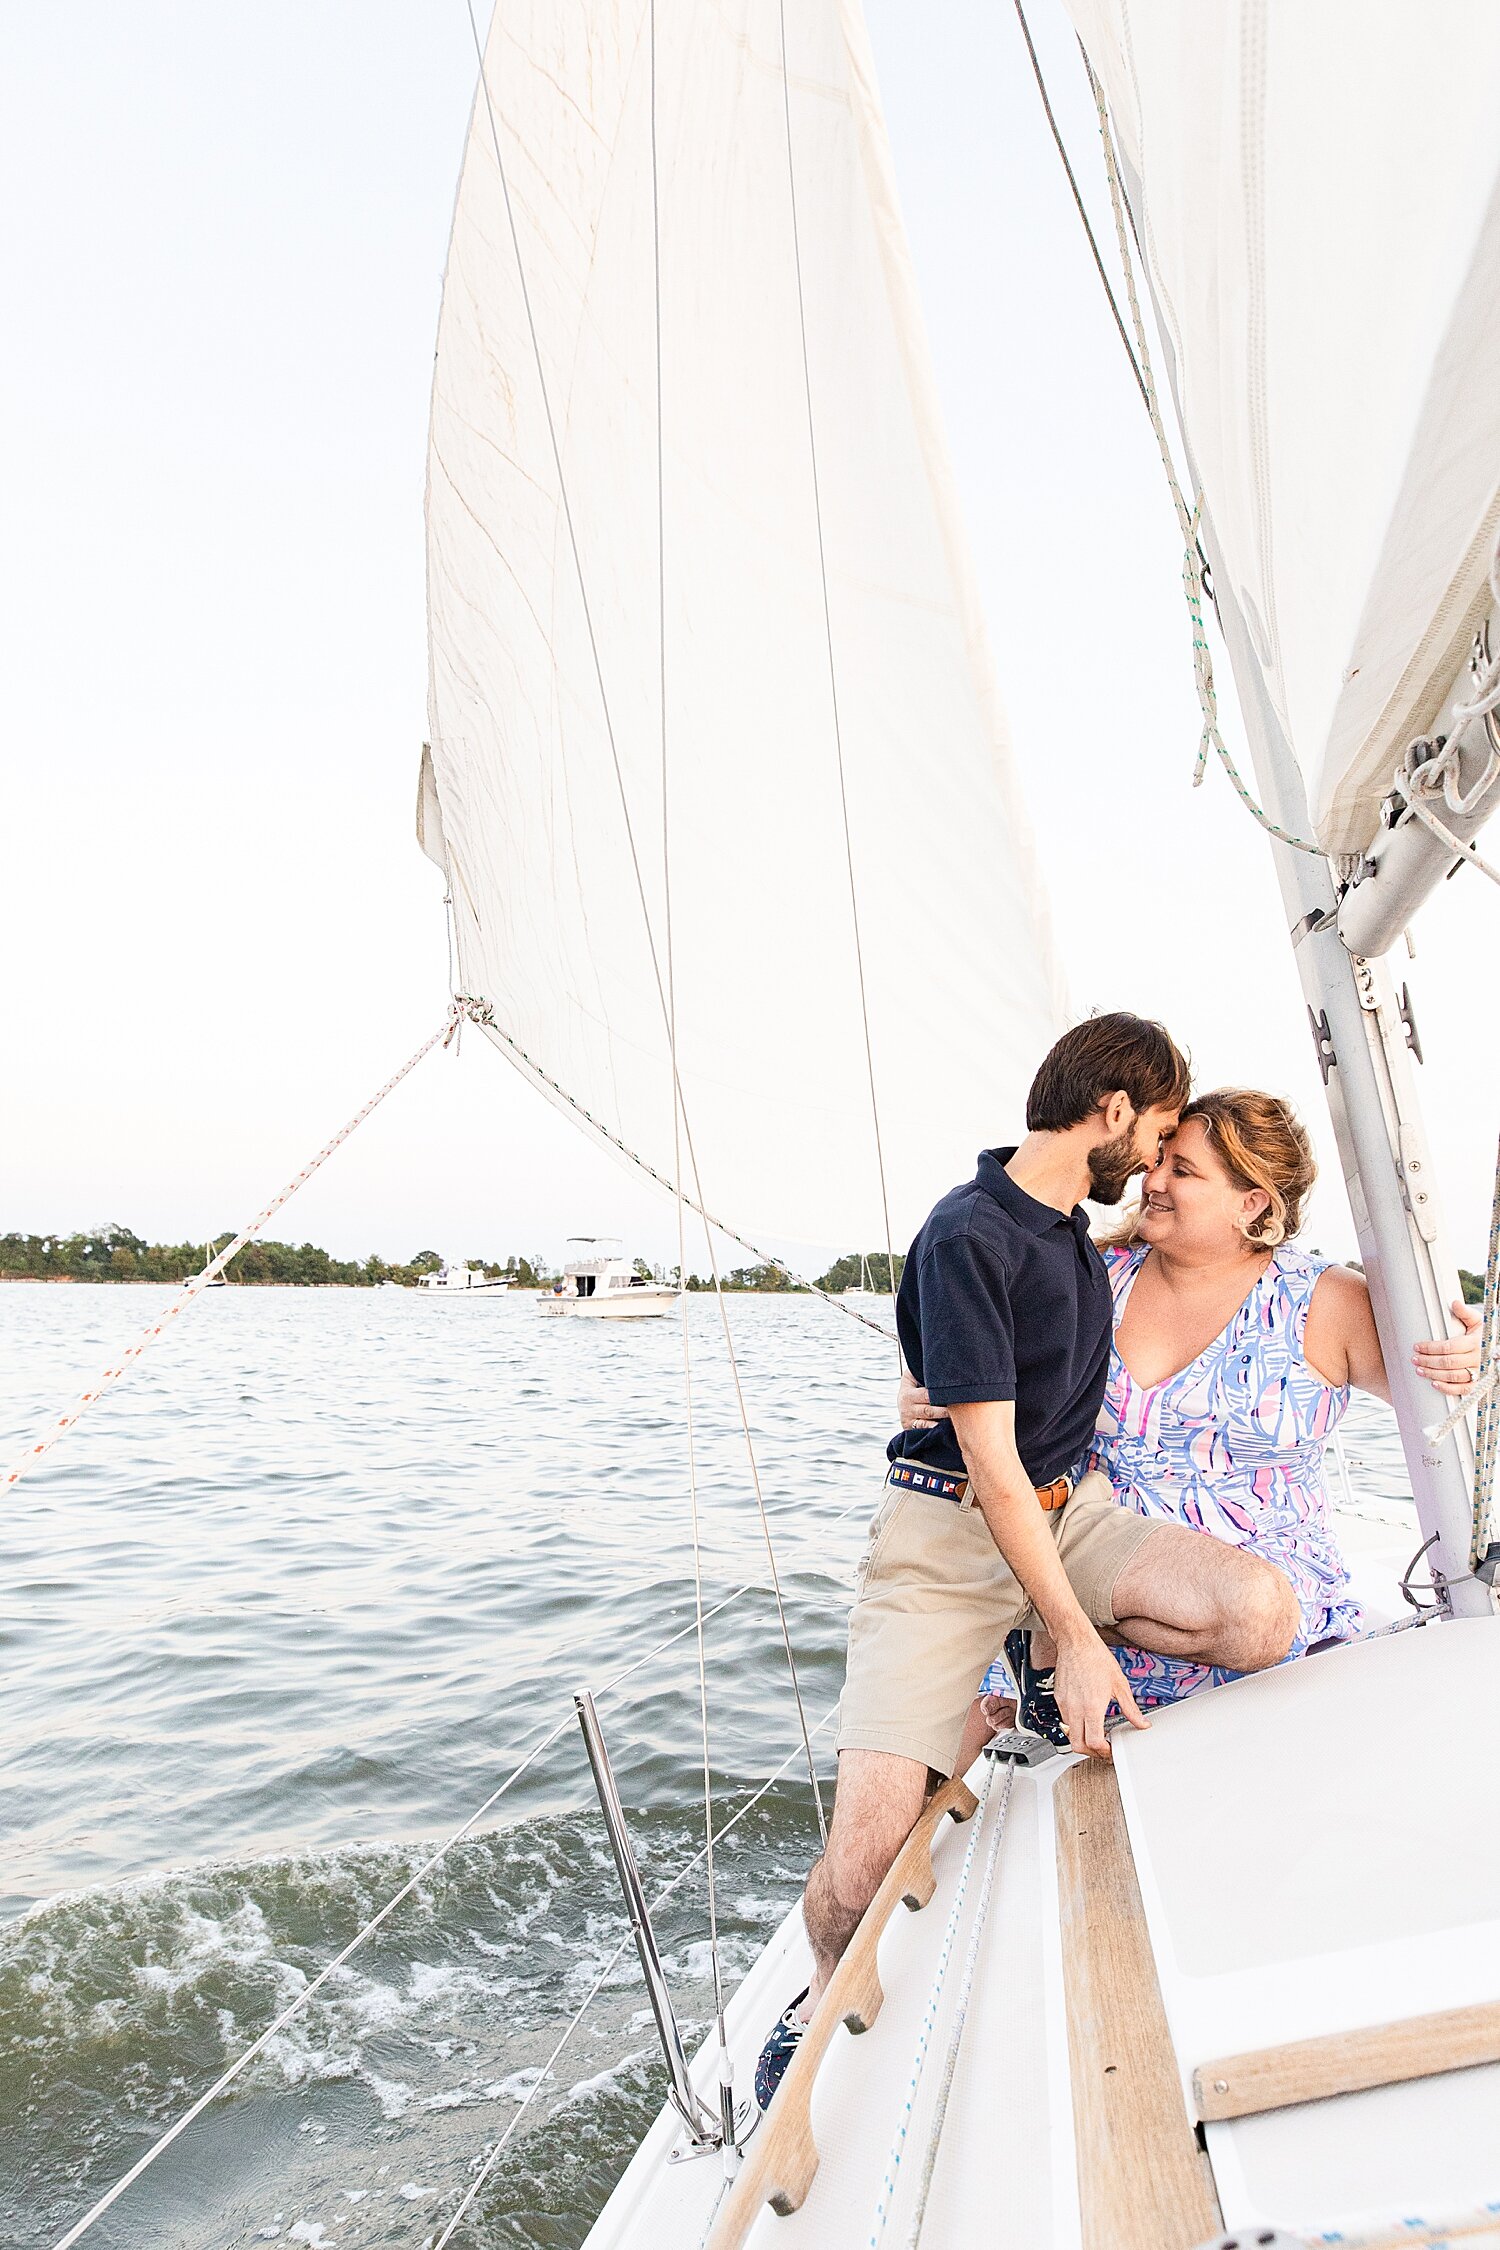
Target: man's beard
1112	1168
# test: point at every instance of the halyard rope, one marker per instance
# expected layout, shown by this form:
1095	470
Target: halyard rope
200	1281
885	2200
960	2014
1487	1428
1081	206
1187	518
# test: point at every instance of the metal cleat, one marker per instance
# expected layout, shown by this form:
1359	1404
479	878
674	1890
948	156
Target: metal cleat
1013	1747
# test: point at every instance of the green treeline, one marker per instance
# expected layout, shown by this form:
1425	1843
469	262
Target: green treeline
115	1254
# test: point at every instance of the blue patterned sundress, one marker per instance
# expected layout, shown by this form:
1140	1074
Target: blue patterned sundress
1233	1445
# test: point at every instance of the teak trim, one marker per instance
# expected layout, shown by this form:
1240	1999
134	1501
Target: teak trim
1347	2062
1142	2178
783	2158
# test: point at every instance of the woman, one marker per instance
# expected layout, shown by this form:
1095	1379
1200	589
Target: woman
1233	1359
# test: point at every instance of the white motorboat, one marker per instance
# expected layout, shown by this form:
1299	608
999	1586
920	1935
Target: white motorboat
467	1280
599	1283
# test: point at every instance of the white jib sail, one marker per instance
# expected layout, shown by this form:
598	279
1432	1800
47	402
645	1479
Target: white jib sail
552	833
1318	194
1318	201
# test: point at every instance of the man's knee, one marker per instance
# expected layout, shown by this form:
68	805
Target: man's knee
875	1808
1262	1616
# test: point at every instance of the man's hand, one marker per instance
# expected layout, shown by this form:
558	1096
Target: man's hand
1448	1363
915	1408
1086	1680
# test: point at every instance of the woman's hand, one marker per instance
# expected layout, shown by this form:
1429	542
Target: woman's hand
915	1408
1450	1363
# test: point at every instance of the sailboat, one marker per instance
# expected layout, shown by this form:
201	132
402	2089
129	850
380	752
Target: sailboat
694	556
699	596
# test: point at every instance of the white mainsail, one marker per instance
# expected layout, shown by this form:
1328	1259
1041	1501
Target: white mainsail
548	819
1318	194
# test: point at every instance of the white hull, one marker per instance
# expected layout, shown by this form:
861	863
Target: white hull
1317	1849
614	1304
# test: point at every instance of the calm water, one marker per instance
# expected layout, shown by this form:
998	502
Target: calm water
279	1615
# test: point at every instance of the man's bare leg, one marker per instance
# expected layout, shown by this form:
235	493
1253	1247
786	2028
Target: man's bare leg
987	1715
875	1808
1187	1595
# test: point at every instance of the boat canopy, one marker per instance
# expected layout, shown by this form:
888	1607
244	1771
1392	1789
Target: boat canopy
551	689
1317	193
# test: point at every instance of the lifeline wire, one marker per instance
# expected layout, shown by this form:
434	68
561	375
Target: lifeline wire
680	1101
833	670
215	1265
726	2071
495	2153
301	1998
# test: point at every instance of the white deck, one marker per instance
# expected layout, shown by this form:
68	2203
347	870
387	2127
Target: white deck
1318	1848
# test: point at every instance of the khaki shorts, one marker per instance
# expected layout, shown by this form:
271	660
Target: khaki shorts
936	1599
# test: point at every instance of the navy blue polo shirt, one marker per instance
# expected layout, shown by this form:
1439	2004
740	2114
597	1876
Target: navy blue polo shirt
1003	1297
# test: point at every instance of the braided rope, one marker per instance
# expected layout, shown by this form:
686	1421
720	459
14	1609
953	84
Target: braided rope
1487	1427
481	1012
885	2199
960	2014
1187	518
200	1281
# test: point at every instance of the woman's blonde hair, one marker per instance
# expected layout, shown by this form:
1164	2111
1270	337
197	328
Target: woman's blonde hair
1261	1143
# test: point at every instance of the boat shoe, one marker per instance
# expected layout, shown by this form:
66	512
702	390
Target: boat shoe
779	2050
1036	1705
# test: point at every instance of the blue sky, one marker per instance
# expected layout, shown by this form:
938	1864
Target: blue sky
221	276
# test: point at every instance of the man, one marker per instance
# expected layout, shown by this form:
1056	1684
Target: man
984	1527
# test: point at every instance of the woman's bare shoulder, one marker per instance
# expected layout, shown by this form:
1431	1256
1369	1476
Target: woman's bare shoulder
1338	1316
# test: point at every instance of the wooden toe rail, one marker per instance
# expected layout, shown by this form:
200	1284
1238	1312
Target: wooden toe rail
783	2157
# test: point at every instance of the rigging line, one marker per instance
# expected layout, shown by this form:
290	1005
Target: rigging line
680	1107
886	2198
483	1014
1211	737
1082	208
215	1265
833	675
960	2014
300	2000
676	1095
660	1900
306	1993
1487	1428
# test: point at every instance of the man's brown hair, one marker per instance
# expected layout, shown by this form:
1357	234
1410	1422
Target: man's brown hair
1117	1053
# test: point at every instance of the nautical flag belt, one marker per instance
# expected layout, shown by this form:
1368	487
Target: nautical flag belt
945	1487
